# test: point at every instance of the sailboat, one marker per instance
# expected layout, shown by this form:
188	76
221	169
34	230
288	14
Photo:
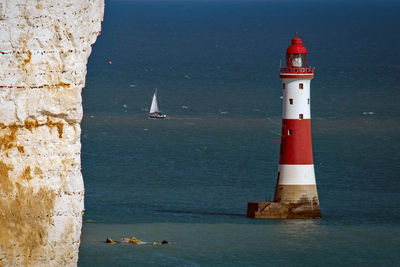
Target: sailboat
155	113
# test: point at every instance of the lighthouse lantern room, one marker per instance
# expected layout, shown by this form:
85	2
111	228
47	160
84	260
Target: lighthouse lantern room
296	191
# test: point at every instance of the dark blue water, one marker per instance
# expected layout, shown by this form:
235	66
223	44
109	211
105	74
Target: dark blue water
188	179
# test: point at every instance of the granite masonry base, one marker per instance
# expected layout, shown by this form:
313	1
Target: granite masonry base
279	210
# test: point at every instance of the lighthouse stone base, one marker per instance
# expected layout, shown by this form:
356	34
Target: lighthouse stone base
279	210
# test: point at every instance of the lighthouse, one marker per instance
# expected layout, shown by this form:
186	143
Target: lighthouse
296	190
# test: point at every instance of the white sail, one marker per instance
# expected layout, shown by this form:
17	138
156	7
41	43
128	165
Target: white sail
154	106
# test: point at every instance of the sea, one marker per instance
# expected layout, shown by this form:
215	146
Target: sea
187	179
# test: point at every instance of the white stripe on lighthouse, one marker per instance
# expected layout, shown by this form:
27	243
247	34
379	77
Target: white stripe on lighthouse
296	174
300	99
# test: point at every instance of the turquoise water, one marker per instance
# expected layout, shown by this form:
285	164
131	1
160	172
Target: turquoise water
188	179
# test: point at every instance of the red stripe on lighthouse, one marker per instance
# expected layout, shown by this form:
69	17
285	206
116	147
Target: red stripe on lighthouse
296	146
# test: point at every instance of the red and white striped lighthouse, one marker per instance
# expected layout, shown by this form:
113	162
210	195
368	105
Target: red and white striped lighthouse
296	191
296	178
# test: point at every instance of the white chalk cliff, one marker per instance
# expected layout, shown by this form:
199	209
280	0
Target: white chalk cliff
44	48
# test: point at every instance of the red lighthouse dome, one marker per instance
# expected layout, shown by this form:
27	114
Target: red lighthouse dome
296	61
296	54
296	47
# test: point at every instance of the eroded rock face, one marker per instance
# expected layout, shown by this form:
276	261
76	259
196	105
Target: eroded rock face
44	47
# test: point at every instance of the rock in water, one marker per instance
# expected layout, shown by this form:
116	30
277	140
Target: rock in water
110	241
132	240
135	241
44	47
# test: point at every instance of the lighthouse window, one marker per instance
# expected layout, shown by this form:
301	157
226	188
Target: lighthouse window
300	116
300	85
291	101
289	132
283	86
308	101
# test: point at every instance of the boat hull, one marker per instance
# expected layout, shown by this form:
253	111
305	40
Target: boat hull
157	116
